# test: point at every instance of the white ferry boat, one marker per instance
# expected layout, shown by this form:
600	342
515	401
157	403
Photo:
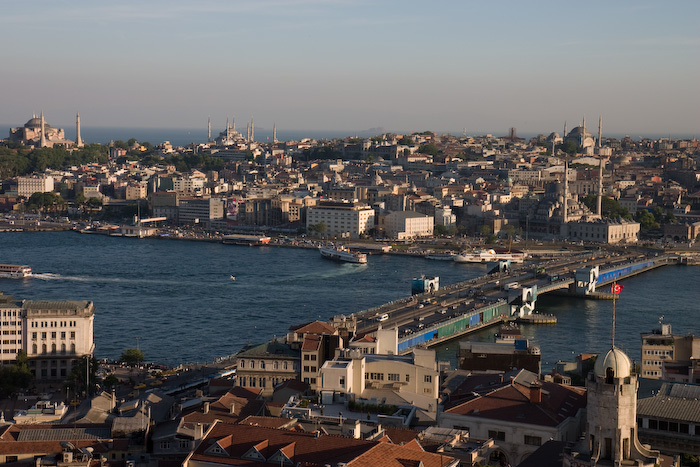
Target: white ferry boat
15	271
342	253
484	256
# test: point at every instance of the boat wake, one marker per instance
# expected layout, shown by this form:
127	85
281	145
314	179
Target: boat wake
48	276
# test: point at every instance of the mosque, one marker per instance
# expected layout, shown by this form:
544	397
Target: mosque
36	133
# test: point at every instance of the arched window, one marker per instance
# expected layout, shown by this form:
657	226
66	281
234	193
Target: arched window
43	348
72	348
63	348
34	349
53	348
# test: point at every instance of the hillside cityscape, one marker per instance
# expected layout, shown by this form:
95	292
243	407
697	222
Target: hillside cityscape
560	213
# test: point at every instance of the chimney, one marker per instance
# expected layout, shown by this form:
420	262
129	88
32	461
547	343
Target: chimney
198	431
233	408
536	393
206	407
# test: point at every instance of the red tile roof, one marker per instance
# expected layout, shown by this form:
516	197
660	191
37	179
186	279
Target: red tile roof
314	327
512	403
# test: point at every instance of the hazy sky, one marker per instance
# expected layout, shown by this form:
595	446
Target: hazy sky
351	65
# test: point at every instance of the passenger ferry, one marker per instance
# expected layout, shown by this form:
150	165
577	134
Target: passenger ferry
15	271
484	256
342	253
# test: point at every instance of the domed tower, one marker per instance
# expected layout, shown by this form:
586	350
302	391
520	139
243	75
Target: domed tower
611	429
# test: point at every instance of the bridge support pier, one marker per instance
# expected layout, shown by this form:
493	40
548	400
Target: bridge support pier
586	279
522	301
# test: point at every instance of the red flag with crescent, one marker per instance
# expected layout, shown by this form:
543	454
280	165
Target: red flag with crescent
617	288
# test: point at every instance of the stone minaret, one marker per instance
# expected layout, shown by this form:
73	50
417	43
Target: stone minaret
233	127
599	206
78	138
252	129
247	132
600	131
564	135
566	193
274	132
43	131
209	130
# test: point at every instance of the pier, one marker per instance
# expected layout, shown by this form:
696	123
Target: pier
429	319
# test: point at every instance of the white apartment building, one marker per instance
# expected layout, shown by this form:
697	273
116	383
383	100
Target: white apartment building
412	377
342	219
189	185
27	186
54	334
408	224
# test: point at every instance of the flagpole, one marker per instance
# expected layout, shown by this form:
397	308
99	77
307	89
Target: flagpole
614	287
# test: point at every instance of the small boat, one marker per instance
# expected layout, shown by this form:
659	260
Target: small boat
233	278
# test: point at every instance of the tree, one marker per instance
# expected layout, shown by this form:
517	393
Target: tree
78	381
429	148
132	357
406	141
485	230
16	376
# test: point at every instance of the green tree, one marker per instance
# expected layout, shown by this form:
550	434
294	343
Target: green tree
406	141
77	380
110	381
429	148
132	357
646	220
485	230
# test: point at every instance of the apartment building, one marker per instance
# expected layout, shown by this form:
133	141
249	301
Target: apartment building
342	219
55	334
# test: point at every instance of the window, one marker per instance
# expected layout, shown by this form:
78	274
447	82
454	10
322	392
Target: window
252	364
275	365
262	364
242	364
393	377
165	445
342	381
497	435
428	378
533	440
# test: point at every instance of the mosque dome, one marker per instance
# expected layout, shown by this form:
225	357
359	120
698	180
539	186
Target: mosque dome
553	136
34	122
579	131
615	359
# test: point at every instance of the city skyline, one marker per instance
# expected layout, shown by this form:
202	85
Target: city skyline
349	66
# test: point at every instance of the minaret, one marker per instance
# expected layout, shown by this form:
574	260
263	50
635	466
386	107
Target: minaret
600	131
78	138
252	129
43	130
599	206
247	132
233	127
274	132
209	130
566	191
564	135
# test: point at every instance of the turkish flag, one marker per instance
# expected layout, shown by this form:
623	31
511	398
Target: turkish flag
617	288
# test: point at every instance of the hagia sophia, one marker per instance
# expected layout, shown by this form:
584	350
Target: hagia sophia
36	133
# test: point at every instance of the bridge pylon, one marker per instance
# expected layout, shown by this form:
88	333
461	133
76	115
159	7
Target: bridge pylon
586	279
522	301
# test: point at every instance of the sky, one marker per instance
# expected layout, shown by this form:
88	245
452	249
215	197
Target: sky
480	66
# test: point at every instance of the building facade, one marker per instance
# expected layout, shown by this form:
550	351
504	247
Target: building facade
341	219
408	224
55	335
266	365
27	186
